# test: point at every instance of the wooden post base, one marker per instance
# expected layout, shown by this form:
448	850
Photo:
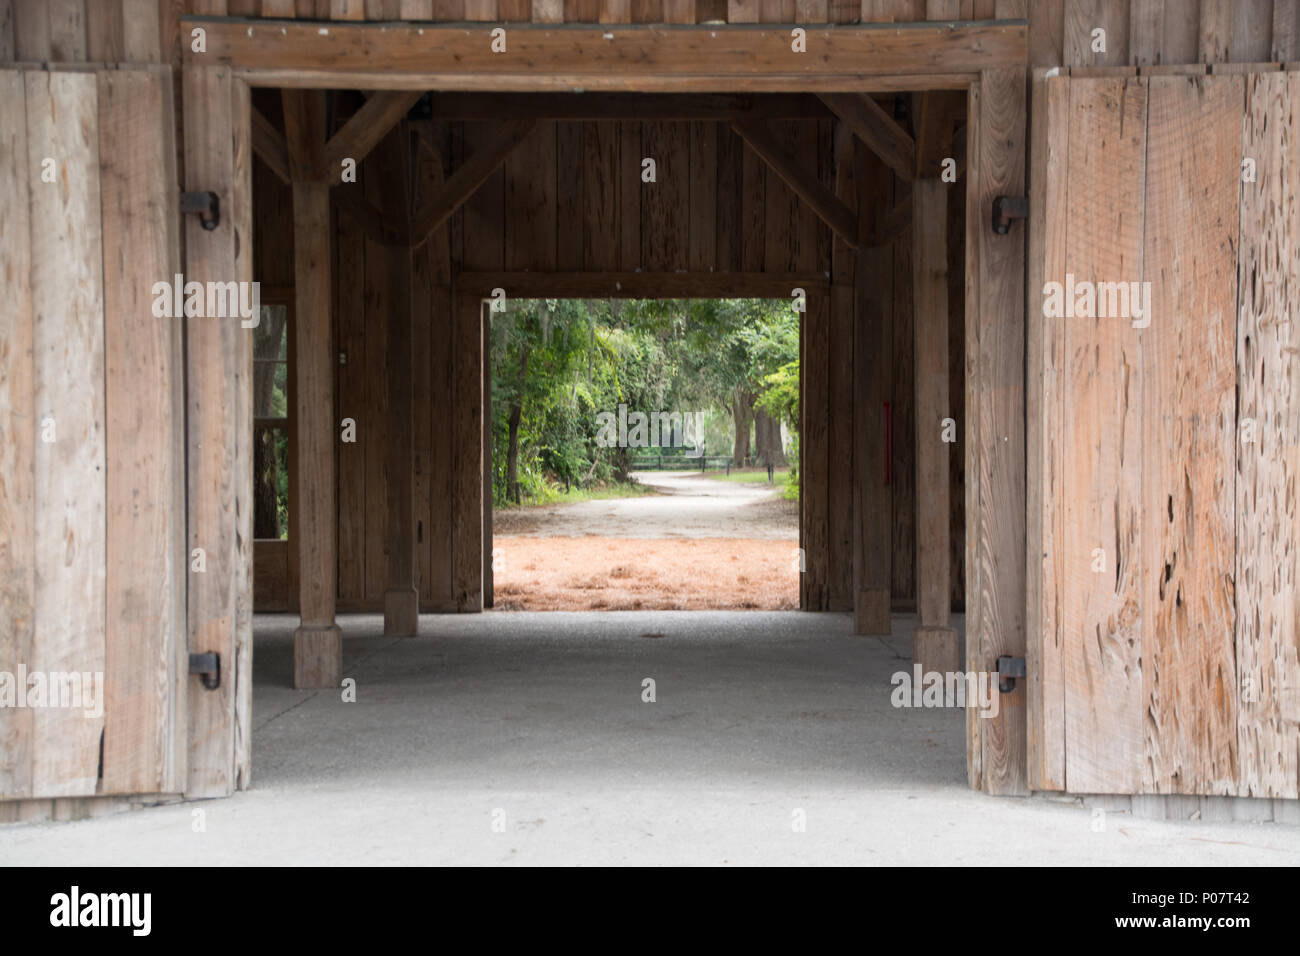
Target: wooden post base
317	657
401	612
871	611
935	649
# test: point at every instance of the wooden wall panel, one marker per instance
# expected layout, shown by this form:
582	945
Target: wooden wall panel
665	203
19	426
147	668
219	437
1268	450
1193	171
1100	547
996	521
68	351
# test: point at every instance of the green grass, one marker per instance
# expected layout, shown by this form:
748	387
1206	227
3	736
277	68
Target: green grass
556	495
752	476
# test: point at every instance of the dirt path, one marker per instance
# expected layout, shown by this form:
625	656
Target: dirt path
698	544
687	506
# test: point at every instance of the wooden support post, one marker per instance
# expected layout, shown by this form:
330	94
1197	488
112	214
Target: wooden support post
318	642
872	384
402	599
934	643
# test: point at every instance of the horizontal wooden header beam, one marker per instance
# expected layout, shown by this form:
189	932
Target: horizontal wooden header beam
628	106
640	285
581	56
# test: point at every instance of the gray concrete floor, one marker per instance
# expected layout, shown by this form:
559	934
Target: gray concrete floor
536	721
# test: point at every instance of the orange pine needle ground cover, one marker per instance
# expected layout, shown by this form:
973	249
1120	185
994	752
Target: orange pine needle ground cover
597	573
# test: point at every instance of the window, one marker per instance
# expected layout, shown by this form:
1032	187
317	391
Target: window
271	405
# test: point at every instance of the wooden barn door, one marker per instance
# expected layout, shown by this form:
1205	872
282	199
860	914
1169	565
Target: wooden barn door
92	565
1164	442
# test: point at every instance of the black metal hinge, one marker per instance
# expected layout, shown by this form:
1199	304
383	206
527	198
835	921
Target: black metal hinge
206	204
1009	668
208	667
1006	208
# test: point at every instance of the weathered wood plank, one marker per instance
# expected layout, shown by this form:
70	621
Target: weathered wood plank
1100	549
630	155
998	521
1268	446
703	197
218	366
19	426
426	55
68	353
601	190
570	190
666	201
146	674
1188	446
31	31
1045	338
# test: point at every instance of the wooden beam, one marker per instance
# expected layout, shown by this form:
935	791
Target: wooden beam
270	147
935	115
834	213
446	56
627	106
363	131
639	285
468	178
401	599
877	130
995	414
304	134
317	642
934	641
873	347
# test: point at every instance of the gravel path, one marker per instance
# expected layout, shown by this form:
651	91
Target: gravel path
688	505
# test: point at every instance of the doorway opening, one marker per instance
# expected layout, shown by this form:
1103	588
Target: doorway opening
645	454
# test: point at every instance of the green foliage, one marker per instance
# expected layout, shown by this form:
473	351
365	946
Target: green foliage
556	363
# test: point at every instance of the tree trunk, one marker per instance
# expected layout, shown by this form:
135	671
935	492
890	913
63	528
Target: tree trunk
767	439
266	454
516	413
740	418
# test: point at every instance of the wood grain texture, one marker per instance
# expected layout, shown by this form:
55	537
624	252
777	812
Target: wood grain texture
1045	340
146	674
1268	527
18	432
218	369
703	240
1188	498
1101	463
665	203
997	523
68	353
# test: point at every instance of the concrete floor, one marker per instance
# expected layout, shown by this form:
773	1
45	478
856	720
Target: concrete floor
536	720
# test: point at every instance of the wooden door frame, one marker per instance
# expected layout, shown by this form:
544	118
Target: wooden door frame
474	289
989	62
